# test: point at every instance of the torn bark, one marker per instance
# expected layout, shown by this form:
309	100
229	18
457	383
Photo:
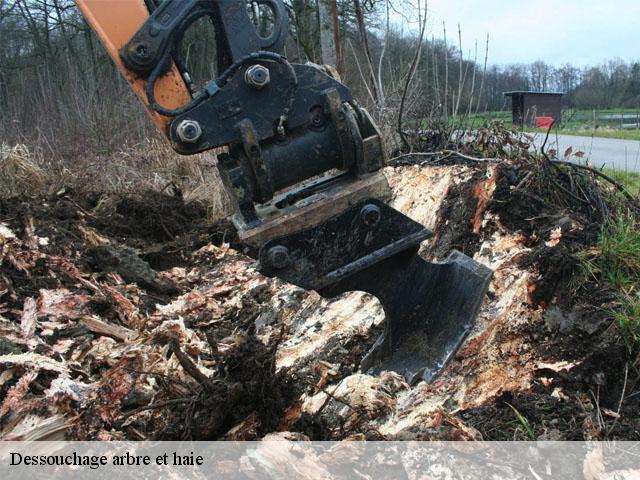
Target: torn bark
235	355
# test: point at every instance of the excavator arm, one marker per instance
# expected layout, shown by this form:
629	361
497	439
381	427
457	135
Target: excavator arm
114	24
303	163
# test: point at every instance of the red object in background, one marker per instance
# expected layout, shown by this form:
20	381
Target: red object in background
545	122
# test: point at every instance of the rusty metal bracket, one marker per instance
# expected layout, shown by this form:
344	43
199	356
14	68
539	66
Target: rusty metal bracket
344	133
254	153
325	254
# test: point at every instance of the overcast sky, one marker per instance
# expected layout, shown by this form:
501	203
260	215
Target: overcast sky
581	32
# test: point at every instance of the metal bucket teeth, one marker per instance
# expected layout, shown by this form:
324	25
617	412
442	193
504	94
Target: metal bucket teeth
429	307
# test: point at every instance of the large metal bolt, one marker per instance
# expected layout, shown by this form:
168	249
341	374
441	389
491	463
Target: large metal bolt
370	215
279	257
189	131
257	76
142	51
317	120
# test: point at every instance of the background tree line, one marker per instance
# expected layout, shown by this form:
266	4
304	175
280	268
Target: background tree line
59	89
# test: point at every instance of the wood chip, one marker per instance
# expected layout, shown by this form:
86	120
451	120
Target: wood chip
103	328
29	317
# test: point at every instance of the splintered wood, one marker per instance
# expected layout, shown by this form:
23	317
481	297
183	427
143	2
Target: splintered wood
95	356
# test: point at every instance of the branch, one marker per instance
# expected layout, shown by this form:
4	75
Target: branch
384	50
419	154
448	153
412	70
364	80
187	364
604	176
152	406
471	159
365	42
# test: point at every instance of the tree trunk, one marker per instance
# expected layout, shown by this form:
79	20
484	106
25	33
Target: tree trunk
365	42
327	44
336	35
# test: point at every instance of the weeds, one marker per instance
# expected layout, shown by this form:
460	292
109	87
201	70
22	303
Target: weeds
630	180
628	321
148	165
524	422
616	261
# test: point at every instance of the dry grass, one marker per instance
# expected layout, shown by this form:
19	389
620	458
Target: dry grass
149	165
19	172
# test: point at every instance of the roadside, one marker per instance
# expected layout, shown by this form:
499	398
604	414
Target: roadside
612	123
609	153
591	133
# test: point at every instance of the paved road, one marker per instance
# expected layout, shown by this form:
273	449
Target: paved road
610	152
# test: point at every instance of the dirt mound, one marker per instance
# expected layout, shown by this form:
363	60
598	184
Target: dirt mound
133	318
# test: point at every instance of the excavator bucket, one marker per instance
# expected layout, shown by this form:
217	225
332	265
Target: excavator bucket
287	126
429	307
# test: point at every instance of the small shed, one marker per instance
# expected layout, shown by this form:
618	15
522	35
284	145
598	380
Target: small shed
526	106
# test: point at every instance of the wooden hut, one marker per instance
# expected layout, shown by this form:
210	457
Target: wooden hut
526	106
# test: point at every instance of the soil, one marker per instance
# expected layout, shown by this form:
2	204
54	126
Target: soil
136	237
457	233
213	335
599	379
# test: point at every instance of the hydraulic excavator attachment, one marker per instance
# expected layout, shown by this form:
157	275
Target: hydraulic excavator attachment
302	163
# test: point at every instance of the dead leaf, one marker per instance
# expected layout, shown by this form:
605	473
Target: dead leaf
579	154
610	413
568	152
554	238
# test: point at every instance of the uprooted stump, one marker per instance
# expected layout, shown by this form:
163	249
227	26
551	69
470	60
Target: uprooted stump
95	353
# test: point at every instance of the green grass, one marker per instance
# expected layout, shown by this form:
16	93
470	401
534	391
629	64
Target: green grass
616	261
628	320
524	422
620	252
620	263
576	122
630	180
